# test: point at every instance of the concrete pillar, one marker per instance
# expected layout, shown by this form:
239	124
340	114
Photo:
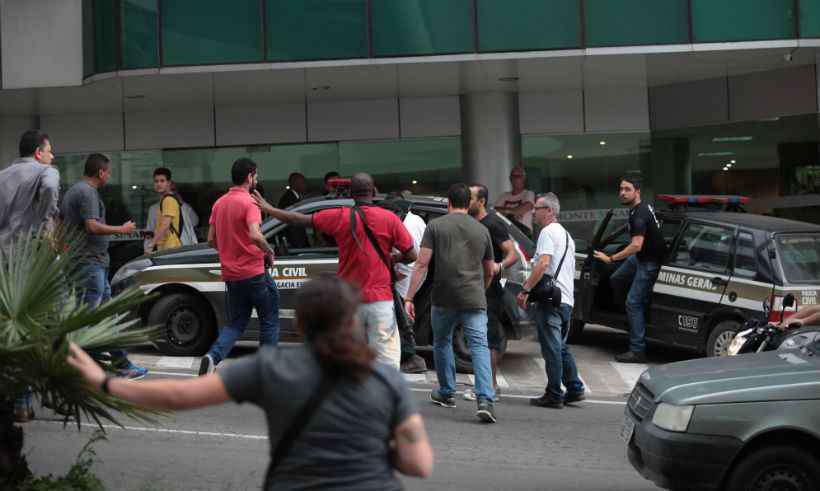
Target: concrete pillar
490	138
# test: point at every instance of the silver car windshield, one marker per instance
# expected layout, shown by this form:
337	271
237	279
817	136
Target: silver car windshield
800	257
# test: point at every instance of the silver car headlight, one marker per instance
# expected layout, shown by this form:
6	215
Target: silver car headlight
131	269
738	341
672	418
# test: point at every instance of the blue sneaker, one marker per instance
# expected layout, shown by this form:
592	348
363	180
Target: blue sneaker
133	372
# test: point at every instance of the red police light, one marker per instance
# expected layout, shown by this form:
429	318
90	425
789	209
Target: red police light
702	199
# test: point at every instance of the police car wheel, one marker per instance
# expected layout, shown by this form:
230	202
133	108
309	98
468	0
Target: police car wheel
721	337
186	328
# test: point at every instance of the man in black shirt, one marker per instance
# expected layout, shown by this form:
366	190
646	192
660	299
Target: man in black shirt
504	256
296	236
643	255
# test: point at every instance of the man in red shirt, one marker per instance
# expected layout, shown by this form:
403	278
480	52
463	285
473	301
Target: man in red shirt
359	263
243	253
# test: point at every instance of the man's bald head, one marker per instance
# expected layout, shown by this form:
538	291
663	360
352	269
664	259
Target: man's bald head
361	186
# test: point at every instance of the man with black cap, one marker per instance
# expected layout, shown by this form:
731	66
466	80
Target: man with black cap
359	262
642	259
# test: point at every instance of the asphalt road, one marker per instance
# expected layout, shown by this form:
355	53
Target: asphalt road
226	448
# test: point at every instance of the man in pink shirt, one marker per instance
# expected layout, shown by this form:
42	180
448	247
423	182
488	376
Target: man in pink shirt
243	253
359	262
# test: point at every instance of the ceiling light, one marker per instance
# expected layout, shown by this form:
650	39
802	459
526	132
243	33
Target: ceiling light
602	142
729	166
287	187
135	187
733	161
569	156
415	182
731	139
725	169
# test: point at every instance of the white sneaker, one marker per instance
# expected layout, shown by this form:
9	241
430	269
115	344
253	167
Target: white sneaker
469	395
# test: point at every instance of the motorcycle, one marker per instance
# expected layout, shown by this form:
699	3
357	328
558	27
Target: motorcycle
760	335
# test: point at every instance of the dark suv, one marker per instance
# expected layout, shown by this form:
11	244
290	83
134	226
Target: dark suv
719	269
190	302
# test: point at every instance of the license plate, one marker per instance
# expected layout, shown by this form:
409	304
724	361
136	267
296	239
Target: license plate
627	429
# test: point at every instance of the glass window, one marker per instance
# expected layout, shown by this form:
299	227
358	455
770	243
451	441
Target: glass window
422	27
140	40
636	22
742	20
220	32
800	257
316	29
105	36
531	25
745	257
809	19
88	38
669	230
704	247
583	170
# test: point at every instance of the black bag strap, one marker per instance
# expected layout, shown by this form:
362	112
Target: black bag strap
302	419
566	248
181	219
353	212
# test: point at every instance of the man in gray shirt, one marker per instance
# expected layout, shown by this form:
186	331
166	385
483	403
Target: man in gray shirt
29	189
464	265
83	210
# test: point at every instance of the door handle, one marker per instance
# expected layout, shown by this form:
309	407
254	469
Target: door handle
718	281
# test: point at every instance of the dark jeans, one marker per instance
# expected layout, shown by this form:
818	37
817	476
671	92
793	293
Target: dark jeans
94	292
640	276
553	327
260	293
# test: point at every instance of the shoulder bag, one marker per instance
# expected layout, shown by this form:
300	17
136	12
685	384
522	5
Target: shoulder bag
545	291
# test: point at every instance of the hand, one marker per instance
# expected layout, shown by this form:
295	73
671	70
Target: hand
261	203
410	309
269	257
88	368
521	299
127	227
602	257
497	267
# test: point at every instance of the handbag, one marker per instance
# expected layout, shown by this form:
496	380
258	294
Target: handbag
402	321
545	291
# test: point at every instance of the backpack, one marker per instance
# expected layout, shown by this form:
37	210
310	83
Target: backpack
185	233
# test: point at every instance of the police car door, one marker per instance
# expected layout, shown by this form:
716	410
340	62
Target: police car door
691	283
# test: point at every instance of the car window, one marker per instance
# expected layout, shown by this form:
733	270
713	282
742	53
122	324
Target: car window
669	229
745	257
704	247
800	257
290	240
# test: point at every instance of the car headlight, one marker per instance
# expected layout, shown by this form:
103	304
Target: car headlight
130	270
738	341
672	418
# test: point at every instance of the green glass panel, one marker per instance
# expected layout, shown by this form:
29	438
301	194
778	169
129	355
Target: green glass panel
201	32
88	37
636	22
809	18
422	27
316	29
105	36
742	20
531	25
140	40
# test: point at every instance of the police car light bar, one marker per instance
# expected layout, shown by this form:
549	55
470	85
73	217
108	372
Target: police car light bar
702	199
340	186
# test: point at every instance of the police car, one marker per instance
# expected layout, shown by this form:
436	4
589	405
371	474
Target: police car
190	306
720	267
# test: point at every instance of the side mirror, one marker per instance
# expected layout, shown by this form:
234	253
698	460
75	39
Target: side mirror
788	301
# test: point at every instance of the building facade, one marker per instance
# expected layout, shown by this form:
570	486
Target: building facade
699	96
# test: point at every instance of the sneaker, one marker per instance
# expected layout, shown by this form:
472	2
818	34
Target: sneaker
207	365
631	357
133	372
571	397
440	400
485	411
547	401
414	364
469	395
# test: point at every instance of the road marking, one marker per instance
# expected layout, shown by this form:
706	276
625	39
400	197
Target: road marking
629	372
523	396
169	430
172	374
180	362
414	378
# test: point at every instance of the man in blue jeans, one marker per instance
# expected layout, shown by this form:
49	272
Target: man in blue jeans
83	210
244	254
643	255
464	266
554	256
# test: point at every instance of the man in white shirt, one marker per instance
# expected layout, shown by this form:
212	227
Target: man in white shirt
517	204
554	256
410	361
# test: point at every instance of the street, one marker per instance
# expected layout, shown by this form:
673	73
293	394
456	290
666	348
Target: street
530	448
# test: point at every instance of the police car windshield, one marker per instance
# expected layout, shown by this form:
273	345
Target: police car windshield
800	257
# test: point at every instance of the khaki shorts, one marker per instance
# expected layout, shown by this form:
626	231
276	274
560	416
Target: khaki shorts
379	322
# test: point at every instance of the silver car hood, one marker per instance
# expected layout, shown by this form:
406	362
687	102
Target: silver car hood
770	376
